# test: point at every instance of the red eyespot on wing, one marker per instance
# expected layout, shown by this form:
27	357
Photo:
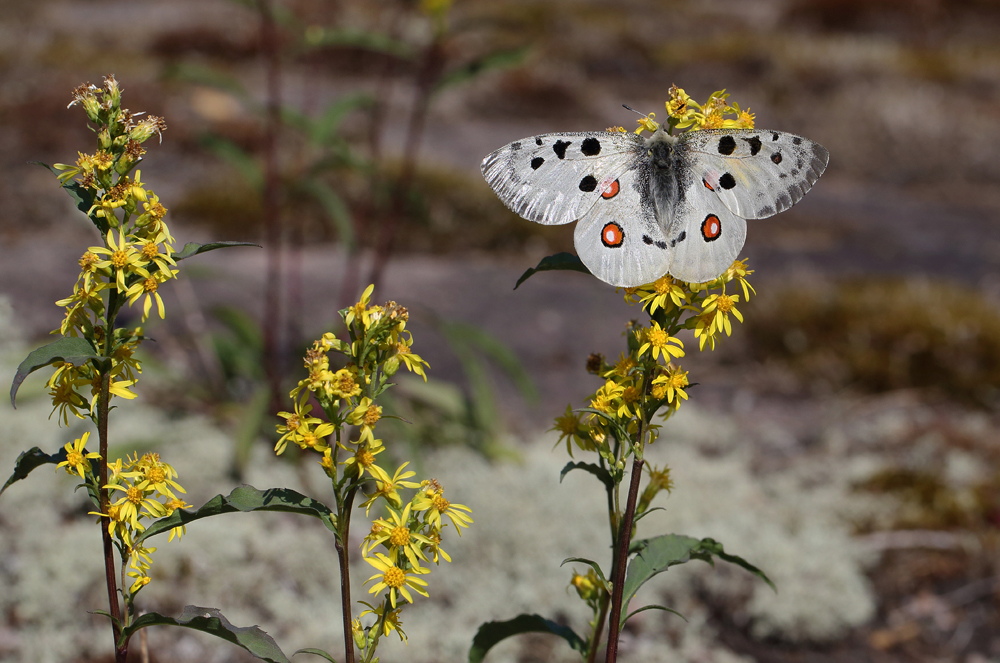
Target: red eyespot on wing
711	228
707	185
612	235
610	191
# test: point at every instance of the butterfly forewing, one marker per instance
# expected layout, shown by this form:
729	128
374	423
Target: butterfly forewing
556	178
756	173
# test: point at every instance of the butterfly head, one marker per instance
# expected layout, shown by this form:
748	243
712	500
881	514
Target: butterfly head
660	146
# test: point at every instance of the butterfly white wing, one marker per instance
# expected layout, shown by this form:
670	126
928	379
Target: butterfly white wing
619	238
704	236
756	173
556	178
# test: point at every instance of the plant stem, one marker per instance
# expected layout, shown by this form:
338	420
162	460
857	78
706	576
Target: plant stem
343	556
621	552
271	321
595	640
121	653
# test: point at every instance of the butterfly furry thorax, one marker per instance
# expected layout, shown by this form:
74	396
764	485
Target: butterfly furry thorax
651	206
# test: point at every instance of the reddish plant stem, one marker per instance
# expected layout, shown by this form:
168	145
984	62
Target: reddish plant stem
121	653
430	71
343	557
621	556
598	629
271	319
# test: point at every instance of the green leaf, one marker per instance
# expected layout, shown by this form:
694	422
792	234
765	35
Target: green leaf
211	621
76	351
238	158
596	470
325	127
81	195
559	262
644	514
245	499
334	207
31	459
589	562
192	249
659	553
656	556
653	607
317	652
496	60
710	547
491	633
377	42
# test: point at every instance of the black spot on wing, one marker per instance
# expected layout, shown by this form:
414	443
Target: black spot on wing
782	175
661	245
795	171
754	143
647	239
588	183
537	162
727	181
559	147
774	136
590	147
776	157
679	238
538	141
515	146
796	141
727	145
798	163
765	211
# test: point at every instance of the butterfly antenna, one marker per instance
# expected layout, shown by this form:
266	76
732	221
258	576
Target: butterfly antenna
627	107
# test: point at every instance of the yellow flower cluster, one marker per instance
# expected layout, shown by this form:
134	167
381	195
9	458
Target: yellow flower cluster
135	258
148	488
408	537
683	112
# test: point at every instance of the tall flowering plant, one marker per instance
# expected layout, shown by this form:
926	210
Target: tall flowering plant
405	541
135	498
639	392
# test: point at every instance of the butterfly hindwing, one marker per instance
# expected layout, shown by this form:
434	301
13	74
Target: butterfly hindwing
704	236
556	178
756	173
619	238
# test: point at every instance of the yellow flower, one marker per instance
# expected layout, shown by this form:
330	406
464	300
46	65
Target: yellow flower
395	579
657	339
605	399
657	294
389	624
148	286
588	587
312	438
623	367
413	362
572	430
133	502
296	424
157	476
171	506
388	488
344	384
723	305
629	399
357	312
432	501
77	461
122	258
396	534
363	460
670	384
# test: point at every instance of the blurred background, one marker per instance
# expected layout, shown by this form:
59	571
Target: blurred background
844	439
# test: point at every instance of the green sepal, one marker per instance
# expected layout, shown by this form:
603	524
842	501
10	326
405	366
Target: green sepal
244	499
646	513
598	471
490	633
658	554
316	652
592	564
559	262
192	249
31	459
653	607
76	351
209	620
82	197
